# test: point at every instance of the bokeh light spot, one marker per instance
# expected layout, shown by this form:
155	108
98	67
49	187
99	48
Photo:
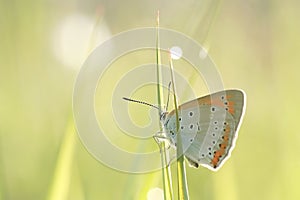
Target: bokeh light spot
75	36
203	53
155	194
176	52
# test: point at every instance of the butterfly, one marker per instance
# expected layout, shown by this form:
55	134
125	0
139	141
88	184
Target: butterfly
208	127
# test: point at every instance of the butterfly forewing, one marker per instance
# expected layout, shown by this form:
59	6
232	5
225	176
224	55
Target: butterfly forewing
208	127
231	100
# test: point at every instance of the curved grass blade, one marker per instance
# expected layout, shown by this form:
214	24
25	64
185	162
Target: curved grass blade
181	172
166	172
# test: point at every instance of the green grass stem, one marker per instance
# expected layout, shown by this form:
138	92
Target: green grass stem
59	188
181	172
166	172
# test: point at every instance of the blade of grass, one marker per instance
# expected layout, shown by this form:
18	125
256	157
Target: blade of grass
61	180
181	172
2	175
166	172
60	184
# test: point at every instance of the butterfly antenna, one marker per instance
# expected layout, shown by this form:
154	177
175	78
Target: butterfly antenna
141	102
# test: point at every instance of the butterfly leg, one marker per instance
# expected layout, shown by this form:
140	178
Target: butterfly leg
160	137
172	159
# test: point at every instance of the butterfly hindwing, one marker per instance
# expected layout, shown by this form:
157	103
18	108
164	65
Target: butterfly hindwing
214	141
208	127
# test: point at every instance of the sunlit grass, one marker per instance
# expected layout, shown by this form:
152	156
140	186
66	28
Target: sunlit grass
182	184
59	189
155	194
163	146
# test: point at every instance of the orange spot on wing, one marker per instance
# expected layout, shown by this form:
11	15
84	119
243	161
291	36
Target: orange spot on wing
231	110
215	102
227	130
228	96
230	105
215	161
223	146
220	152
217	156
226	138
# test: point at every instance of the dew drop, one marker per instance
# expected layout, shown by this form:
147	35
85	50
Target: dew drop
203	53
176	52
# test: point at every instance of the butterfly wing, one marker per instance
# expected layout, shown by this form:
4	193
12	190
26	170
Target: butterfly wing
232	101
208	127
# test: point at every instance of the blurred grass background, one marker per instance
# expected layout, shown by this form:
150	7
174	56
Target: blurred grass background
255	45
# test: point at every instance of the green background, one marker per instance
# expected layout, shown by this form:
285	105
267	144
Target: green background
255	45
